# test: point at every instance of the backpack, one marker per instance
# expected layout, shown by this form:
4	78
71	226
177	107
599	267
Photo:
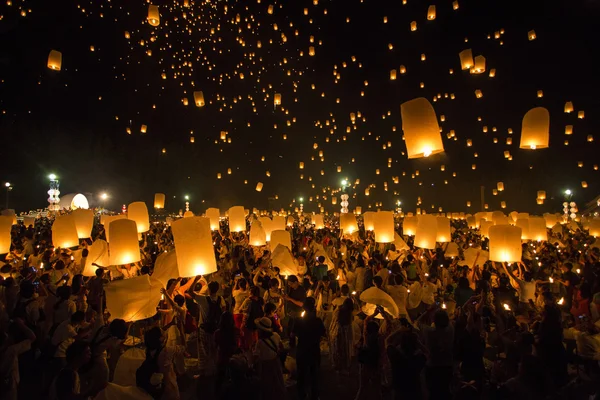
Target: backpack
256	311
190	325
211	322
143	375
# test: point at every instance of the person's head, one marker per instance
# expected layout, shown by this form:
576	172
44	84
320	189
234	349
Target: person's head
77	318
463	283
326	281
309	304
171	284
78	354
27	290
59	265
118	328
99	273
321	259
293	281
213	288
527	276
264	327
45	279
64	292
270	309
254	291
153	338
345	289
273	283
566	267
226	322
342	264
378	281
242	283
441	319
179	300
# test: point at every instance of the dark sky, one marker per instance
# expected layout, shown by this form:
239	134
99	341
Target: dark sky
66	122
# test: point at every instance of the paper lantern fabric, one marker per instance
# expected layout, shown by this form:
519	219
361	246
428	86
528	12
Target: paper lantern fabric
282	258
133	299
107	220
551	220
258	236
259	186
281	237
466	59
535	130
523	223
159	200
409	226
484	228
84	222
113	391
348	223
5	238
290	221
537	229
443	230
79	201
267	225
384	226
426	234
278	223
64	232
138	212
27	221
421	129
594	227
318	221
399	243
505	243
451	250
153	15
378	297
97	254
369	220
11	214
214	215
237	219
471	254
124	246
194	246
55	60
199	98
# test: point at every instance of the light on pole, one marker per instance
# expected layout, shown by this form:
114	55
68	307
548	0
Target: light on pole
344	203
8	187
54	192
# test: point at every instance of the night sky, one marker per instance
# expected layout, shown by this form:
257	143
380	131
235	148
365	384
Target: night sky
75	122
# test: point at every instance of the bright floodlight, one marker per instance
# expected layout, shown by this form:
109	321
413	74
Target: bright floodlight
52	177
301	199
7	184
568	192
187	197
104	196
344	182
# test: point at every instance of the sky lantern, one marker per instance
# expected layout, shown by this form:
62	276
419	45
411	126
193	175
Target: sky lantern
584	184
478	94
431	13
383	226
484	227
258	236
581	114
311	51
237	219
426	234
505	243
402	69
138	212
537	229
193	246
535	131
259	186
466	59
214	215
84	222
393	75
540	93
369	220
124	247
569	107
153	15
55	60
421	129
199	98
500	186
348	223
479	65
594	228
523	223
6	223
413	26
551	220
409	226
455	5
280	236
159	201
443	230
270	9
64	232
277	99
267	225
106	220
317	221
531	35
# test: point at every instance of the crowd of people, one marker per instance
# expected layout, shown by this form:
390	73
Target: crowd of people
461	326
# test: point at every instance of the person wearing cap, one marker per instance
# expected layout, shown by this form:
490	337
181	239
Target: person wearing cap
267	360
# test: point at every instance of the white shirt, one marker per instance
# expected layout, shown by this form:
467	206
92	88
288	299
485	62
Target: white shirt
526	289
240	296
264	350
63	337
400	296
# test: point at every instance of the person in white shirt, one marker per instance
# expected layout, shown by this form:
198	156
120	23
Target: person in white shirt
9	358
240	294
325	296
399	293
66	333
525	287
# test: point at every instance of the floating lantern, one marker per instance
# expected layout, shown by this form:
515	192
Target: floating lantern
84	222
535	131
413	26
523	223
594	227
500	186
505	243
421	129
6	223
64	232
311	51
214	215
138	212
369	220
278	223
426	234
540	93
478	94
290	221
258	236
466	59
348	223
584	184
199	98
153	15
569	130
124	247
259	186
581	114
159	200
194	247
537	229
402	69
409	227
531	35
472	222
431	13
479	65
443	230
484	227
277	99
383	226
317	221
551	220
569	107
455	5
55	60
237	219
393	75
281	237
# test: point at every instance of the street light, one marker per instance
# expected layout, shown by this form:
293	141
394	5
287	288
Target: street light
187	202
8	187
568	192
54	192
104	196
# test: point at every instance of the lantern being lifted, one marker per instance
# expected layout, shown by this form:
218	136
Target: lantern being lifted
159	200
505	243
426	234
153	15
64	231
138	212
421	129
258	236
193	246
443	230
348	223
213	214
84	222
124	247
237	219
5	238
383	223
535	131
369	220
537	229
409	226
55	60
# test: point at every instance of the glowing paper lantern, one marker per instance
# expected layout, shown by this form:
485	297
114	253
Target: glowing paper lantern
431	13
594	228
97	254
237	219
537	229
551	220
369	220
479	66
278	223
199	98
153	15
11	214
64	232
531	35
523	223
500	186
55	60
84	222
413	26
267	225
214	215
138	212
466	59
393	75
159	200
569	107
409	226
188	214
584	184
124	247
443	230
484	227
106	220
348	223
535	131
5	237
472	222
280	237
318	221
259	186
277	99
426	234
194	246
258	236
290	221
133	299
505	243
383	223
421	129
